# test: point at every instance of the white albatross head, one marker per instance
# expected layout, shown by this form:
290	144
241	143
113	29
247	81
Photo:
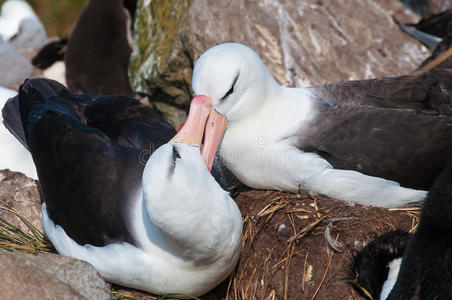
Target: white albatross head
237	82
13	12
234	77
17	9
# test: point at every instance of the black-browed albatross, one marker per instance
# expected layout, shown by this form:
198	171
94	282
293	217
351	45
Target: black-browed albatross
164	226
377	142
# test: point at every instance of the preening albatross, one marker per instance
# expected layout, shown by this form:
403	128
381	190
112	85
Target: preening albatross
165	226
377	142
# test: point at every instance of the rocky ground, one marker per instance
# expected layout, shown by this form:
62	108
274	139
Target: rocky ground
31	269
284	253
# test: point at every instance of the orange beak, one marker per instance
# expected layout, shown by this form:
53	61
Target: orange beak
192	131
215	128
203	119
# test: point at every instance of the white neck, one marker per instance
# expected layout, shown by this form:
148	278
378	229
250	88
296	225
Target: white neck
258	132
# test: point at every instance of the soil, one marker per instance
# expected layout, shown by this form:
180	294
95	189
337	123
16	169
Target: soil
284	253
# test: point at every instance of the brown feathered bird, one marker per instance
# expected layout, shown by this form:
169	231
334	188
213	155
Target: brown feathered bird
98	50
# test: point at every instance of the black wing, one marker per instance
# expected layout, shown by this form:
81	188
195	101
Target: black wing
436	25
128	122
430	91
405	145
90	152
395	128
88	181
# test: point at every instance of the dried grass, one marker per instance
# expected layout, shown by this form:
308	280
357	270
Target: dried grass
254	277
13	238
251	279
431	65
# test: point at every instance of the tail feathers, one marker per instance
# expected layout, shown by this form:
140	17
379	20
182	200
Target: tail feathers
36	90
428	40
16	109
441	54
419	7
430	31
435	32
436	24
13	121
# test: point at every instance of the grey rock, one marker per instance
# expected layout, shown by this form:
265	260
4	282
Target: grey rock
303	42
21	193
437	6
49	276
173	115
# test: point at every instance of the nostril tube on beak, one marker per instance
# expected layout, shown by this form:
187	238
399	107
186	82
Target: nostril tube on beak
215	128
193	129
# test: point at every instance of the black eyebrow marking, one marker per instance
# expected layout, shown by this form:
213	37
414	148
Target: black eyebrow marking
172	165
175	153
231	90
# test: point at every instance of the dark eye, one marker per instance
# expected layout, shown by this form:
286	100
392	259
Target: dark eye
176	154
231	90
228	93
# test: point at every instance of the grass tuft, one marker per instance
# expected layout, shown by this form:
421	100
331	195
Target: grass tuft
124	295
12	238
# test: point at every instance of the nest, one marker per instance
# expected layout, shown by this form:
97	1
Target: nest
297	246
